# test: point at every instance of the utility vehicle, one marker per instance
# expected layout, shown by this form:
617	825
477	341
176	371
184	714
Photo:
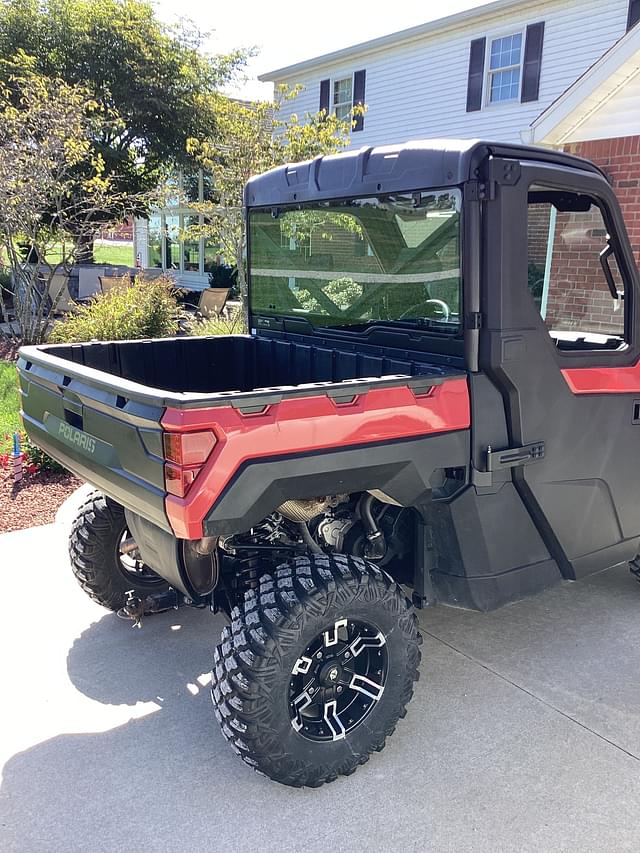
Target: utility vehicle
438	401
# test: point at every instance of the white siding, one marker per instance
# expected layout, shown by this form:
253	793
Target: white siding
619	116
419	89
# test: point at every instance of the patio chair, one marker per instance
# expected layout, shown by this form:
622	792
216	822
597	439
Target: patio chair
212	301
59	290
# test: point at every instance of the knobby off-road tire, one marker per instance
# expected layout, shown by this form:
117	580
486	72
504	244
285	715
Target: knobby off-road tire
634	567
96	561
335	602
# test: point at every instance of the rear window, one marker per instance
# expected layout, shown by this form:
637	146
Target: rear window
357	262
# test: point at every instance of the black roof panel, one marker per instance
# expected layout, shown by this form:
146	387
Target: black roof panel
419	164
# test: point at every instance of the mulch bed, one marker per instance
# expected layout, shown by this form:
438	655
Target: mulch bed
35	500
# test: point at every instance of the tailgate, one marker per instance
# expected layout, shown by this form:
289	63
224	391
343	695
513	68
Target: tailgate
110	440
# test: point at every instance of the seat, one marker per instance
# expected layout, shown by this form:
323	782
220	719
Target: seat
59	294
212	301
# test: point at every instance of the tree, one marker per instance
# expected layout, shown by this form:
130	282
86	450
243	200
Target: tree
154	77
47	130
251	138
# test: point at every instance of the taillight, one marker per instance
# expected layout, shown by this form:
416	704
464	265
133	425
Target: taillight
185	454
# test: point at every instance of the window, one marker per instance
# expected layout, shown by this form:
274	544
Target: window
343	97
357	262
505	55
191	243
172	242
155	241
174	239
572	271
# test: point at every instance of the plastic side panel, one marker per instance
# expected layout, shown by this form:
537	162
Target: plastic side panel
402	469
307	425
603	380
119	451
487	550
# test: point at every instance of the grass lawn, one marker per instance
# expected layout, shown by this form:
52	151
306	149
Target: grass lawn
9	403
105	252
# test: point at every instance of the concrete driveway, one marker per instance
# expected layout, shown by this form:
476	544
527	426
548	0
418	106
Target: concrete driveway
524	734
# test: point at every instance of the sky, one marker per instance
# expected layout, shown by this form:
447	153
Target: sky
285	32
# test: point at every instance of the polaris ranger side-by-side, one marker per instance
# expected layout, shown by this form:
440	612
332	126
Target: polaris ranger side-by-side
439	398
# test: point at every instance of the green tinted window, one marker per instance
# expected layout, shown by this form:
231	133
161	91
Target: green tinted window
356	262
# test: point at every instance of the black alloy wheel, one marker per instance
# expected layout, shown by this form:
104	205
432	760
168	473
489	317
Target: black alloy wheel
316	668
337	680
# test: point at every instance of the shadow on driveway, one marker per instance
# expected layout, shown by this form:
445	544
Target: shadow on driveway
478	765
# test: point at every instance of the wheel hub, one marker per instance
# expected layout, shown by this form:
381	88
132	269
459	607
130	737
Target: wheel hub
338	680
330	674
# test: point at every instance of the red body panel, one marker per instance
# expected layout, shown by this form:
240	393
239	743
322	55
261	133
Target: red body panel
306	424
603	380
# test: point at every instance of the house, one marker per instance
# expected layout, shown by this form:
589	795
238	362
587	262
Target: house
487	72
552	72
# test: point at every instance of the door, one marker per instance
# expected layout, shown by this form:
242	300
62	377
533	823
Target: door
560	343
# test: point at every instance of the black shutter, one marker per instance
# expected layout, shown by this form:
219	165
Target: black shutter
476	74
634	13
532	62
359	79
324	95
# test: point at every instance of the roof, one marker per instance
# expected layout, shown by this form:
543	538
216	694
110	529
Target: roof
393	39
615	69
420	164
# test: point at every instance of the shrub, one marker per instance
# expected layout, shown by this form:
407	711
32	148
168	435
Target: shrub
33	457
36	459
201	326
147	309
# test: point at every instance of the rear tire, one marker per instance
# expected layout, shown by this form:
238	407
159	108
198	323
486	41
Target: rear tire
634	567
97	563
331	627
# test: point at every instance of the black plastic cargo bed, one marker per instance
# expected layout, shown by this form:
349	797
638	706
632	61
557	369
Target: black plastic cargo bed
236	364
97	407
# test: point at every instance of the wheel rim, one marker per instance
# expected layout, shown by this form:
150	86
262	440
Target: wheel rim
338	680
132	567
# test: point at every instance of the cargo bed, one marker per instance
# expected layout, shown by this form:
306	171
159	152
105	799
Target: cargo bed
201	369
98	407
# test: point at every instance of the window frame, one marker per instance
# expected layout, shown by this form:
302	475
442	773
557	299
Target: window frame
332	85
613	223
429	335
489	72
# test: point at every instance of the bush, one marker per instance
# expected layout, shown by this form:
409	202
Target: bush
147	309
35	459
201	326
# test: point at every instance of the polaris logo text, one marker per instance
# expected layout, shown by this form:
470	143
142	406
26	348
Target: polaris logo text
86	442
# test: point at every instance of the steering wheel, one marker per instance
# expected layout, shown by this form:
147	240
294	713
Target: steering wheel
443	311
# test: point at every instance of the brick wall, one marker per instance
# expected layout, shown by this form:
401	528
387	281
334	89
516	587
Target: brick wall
579	299
620	160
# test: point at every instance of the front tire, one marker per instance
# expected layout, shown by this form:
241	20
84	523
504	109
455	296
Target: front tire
99	566
316	669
